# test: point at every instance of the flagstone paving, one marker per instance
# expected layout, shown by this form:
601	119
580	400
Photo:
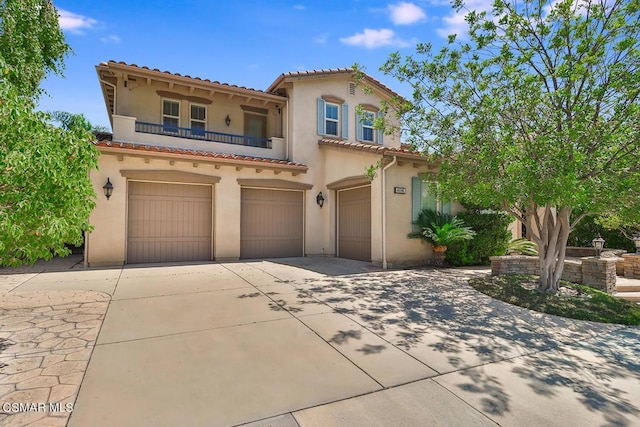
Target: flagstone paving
46	340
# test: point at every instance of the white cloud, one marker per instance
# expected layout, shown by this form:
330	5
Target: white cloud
404	13
75	23
112	38
299	7
372	39
320	39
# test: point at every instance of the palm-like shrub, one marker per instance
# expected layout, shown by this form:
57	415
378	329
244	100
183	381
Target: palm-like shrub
440	229
448	233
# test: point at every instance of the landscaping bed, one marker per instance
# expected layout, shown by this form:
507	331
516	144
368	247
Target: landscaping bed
572	301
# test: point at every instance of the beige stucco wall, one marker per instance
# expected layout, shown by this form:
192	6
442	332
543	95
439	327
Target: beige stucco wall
107	243
139	99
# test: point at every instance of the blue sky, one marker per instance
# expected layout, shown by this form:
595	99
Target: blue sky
248	43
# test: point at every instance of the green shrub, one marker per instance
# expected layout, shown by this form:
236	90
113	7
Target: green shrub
491	239
589	228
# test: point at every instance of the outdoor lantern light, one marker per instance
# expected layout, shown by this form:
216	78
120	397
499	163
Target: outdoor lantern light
320	199
227	120
636	240
598	243
108	189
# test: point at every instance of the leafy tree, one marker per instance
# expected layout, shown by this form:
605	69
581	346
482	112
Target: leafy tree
537	112
45	192
69	121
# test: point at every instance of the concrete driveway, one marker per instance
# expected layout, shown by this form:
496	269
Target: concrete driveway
324	341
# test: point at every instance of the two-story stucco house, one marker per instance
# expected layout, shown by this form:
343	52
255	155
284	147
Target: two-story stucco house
203	170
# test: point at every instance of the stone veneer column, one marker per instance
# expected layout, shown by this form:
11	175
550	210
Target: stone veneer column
631	266
599	273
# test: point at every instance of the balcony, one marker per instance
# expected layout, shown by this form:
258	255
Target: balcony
200	134
129	129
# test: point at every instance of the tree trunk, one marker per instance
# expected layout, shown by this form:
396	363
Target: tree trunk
552	227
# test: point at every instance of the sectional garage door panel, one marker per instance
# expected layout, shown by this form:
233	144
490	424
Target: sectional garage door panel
168	222
271	223
354	224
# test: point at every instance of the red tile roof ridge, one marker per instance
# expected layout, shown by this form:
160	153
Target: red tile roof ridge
369	147
144	67
201	153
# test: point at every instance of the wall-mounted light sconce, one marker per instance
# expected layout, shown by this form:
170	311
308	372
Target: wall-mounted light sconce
320	199
598	243
227	120
108	189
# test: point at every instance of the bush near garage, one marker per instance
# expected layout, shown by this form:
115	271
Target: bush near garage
491	239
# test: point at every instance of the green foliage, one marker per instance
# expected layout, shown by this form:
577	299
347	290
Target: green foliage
593	305
31	43
522	246
537	111
590	227
441	229
69	121
492	237
45	192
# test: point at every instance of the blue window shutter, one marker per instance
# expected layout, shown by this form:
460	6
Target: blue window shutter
321	113
446	208
345	121
380	132
358	127
416	199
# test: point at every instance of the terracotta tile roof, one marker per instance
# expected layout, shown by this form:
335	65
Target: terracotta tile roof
108	143
372	148
185	76
329	71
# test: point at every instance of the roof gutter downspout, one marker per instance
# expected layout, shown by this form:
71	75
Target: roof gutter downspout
286	144
384	212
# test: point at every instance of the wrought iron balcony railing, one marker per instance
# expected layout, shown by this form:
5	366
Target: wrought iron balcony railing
205	135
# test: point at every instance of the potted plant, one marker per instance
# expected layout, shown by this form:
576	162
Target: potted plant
440	230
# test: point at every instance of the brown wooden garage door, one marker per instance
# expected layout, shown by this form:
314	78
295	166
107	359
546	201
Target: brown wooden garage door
271	223
354	223
168	222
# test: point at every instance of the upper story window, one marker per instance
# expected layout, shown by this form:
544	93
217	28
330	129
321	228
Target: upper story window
198	117
170	113
367	126
333	117
365	130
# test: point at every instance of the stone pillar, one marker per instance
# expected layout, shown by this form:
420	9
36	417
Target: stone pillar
631	266
599	273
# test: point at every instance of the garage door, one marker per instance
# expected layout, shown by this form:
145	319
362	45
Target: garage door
354	223
271	223
168	222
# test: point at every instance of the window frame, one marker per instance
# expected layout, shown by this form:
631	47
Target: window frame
202	121
365	126
341	123
166	126
327	119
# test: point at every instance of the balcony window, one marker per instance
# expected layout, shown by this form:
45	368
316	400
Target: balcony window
198	119
170	115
